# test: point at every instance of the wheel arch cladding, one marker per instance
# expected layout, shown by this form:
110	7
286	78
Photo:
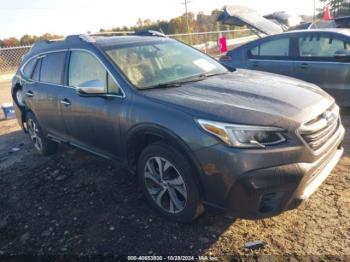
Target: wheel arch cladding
144	135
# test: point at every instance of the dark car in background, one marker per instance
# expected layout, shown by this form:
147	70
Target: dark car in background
320	56
197	135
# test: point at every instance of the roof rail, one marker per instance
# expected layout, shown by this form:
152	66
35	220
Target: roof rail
91	38
124	33
112	33
150	33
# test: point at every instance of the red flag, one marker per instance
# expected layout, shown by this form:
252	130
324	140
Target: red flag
223	44
327	14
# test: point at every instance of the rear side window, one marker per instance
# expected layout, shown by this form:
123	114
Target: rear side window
36	72
273	48
52	68
84	67
321	46
29	67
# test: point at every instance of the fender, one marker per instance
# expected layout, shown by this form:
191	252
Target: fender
164	134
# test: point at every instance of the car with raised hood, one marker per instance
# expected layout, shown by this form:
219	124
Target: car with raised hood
319	56
198	136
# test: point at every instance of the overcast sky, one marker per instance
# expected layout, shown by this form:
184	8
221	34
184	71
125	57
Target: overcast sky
18	17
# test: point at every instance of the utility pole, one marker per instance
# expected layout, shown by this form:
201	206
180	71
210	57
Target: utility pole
187	24
314	11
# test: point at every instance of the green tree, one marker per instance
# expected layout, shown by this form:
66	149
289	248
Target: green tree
26	40
338	7
12	41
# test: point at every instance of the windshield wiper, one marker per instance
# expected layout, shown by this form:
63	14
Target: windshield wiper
179	83
164	85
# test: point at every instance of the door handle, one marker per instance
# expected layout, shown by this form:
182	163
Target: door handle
29	94
65	102
304	65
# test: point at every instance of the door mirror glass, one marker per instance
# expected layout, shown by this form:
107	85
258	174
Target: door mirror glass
92	87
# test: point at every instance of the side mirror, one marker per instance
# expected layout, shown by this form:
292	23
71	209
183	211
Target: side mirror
342	55
92	87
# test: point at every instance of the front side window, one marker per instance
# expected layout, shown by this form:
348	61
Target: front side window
52	68
151	64
321	46
84	67
273	48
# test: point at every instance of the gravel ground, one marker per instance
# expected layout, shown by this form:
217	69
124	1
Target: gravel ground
5	93
73	203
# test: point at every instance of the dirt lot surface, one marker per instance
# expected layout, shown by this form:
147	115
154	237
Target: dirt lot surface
76	204
5	93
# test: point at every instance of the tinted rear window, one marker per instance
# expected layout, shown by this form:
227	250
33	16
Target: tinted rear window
52	68
28	68
36	73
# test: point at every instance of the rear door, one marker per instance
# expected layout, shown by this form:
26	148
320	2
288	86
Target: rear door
316	63
272	55
44	90
92	120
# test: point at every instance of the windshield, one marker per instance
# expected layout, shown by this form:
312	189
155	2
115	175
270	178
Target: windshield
148	65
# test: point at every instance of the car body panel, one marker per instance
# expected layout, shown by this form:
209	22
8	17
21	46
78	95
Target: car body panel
103	135
229	97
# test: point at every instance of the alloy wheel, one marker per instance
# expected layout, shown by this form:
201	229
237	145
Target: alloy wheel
165	185
34	134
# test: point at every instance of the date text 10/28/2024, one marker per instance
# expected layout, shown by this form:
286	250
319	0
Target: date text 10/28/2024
172	258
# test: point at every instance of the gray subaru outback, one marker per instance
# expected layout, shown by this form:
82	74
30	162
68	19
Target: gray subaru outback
198	136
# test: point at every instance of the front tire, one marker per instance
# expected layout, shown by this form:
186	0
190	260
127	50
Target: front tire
42	144
168	182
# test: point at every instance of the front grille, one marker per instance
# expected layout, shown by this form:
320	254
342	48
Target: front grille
317	132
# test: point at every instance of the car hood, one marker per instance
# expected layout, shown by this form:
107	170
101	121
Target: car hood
248	97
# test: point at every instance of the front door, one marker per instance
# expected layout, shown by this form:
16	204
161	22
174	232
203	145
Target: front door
272	56
92	120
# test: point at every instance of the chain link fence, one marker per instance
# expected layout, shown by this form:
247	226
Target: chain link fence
10	58
207	42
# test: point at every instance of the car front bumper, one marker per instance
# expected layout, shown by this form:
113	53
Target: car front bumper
254	186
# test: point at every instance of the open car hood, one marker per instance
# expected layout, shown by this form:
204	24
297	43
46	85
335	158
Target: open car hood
274	23
240	16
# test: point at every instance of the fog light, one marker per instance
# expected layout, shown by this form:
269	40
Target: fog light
270	202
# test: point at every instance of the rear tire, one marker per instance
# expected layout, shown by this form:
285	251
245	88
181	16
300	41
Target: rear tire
42	144
169	184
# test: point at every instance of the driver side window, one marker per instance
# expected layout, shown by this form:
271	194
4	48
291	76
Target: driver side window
84	67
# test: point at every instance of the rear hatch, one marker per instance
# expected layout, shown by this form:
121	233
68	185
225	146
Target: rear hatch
244	16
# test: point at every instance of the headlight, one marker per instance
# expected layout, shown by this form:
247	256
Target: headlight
244	136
